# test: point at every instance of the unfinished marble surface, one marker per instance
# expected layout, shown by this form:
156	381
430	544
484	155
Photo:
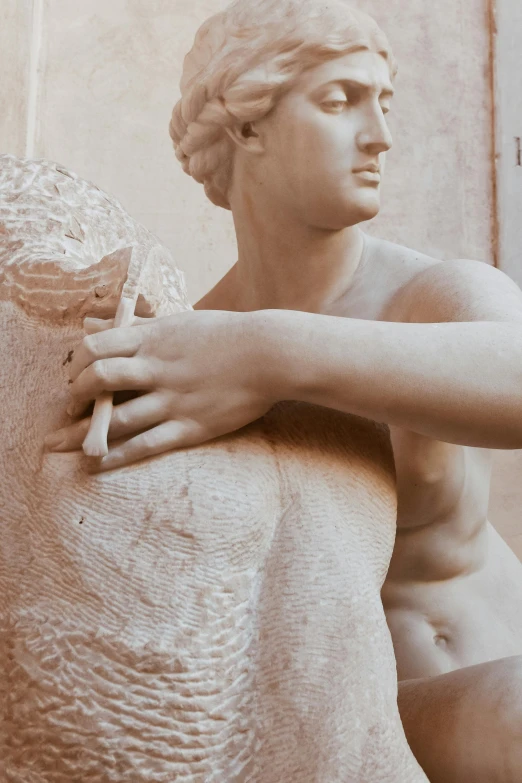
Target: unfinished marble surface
209	615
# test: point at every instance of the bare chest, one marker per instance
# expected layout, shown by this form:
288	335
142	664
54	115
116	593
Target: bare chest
441	486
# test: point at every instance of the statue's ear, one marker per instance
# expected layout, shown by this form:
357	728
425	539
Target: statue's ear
246	136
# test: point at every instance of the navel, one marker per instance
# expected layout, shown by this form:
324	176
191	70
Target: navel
441	640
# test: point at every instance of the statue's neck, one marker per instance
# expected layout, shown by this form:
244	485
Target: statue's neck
284	264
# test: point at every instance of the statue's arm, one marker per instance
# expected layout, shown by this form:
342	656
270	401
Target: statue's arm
449	366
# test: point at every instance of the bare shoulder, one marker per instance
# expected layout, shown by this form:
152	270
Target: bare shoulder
385	269
457	290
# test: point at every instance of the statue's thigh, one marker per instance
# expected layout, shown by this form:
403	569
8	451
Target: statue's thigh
466	726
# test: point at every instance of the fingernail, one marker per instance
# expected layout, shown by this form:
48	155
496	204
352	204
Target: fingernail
54	441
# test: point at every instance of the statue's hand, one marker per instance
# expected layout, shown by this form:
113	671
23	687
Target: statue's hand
204	373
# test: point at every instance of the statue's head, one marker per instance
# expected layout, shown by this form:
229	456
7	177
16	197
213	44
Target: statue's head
289	95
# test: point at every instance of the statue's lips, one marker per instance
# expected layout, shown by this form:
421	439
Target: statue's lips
370	172
367	175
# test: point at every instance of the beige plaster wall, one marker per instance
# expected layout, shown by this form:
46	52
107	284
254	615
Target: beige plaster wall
438	188
508	94
108	78
91	83
110	73
15	67
506	492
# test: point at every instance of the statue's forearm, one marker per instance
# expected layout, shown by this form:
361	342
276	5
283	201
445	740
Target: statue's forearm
456	382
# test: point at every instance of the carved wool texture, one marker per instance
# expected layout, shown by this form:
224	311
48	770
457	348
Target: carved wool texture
58	234
210	615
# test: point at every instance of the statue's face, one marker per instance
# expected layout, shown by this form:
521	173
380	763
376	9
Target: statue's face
323	142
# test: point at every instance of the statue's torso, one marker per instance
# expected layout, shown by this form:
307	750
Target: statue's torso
452	594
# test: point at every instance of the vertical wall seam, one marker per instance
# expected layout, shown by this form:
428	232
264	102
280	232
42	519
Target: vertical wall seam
495	131
34	77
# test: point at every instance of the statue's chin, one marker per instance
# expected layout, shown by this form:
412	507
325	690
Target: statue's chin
369	206
355	205
363	210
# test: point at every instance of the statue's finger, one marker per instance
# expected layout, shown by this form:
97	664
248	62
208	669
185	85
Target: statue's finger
108	343
94	325
165	437
77	408
130	417
115	374
68	438
127	418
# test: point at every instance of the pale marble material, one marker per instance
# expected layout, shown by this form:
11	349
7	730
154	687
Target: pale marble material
65	243
450	211
210	615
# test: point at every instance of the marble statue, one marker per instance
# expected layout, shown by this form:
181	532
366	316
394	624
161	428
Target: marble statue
277	518
210	616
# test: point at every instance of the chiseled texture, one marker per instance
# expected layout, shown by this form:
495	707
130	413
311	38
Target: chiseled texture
208	616
63	248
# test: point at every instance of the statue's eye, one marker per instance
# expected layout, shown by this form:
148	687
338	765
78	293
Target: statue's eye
335	105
